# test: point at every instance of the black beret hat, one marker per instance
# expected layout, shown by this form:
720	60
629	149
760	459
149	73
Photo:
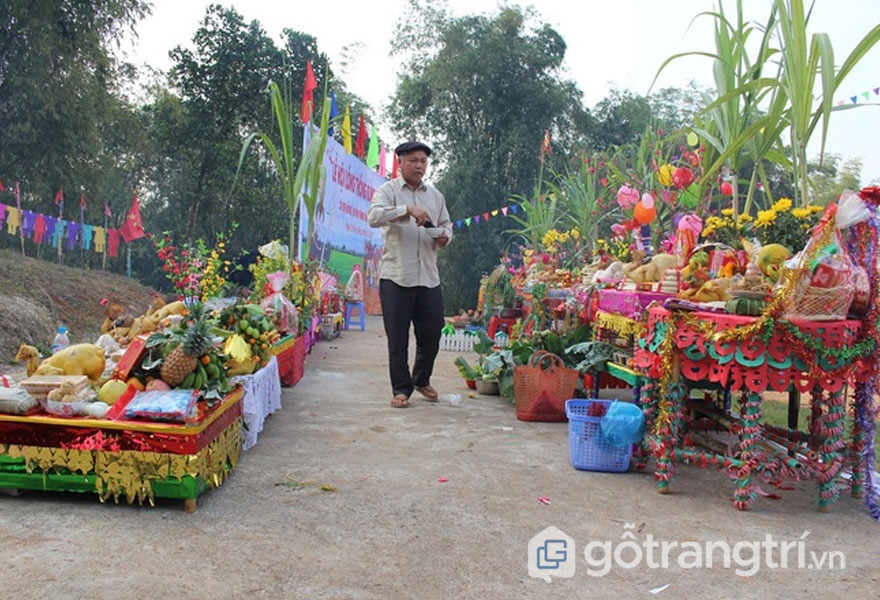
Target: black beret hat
408	147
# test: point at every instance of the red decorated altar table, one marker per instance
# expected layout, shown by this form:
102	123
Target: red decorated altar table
117	457
682	349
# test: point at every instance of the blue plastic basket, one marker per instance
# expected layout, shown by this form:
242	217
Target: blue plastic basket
589	449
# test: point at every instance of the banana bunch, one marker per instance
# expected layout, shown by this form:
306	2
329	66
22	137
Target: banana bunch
210	373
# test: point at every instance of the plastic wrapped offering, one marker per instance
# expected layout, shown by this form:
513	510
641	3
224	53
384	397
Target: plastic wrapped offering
165	405
283	311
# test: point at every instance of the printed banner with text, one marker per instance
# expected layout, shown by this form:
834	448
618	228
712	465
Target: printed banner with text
343	238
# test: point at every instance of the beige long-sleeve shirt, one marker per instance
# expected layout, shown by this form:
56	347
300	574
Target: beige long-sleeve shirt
409	254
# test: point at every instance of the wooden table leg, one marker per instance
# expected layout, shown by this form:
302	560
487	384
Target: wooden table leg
669	431
857	447
190	505
830	445
647	401
794	406
750	432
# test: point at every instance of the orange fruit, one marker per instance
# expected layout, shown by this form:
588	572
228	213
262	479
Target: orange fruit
137	383
206	360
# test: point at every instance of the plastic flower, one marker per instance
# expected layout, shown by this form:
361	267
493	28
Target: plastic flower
765	218
664	175
682	177
627	197
782	205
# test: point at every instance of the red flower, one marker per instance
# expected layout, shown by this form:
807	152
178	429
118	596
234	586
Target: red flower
682	177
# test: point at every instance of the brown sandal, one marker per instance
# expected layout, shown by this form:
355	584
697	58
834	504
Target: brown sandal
400	401
428	392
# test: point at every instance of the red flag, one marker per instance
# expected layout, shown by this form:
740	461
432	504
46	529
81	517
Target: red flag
2	189
59	197
394	166
107	212
133	228
82	201
305	112
361	138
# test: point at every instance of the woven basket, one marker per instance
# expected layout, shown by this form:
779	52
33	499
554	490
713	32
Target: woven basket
541	388
821	304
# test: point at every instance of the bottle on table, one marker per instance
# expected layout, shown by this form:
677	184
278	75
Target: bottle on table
61	340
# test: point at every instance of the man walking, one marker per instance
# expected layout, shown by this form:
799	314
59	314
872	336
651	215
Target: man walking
415	223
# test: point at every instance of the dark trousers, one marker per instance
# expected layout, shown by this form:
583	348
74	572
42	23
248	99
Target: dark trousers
423	307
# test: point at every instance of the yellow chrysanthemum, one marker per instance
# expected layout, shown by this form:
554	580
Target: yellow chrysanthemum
744	218
782	205
664	175
727	212
765	218
815	209
801	213
575	234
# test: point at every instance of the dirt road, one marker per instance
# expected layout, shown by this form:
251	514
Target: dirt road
393	530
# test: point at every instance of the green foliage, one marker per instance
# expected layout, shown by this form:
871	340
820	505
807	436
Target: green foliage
482	90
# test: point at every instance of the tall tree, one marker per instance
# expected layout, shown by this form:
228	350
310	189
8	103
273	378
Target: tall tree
483	90
63	122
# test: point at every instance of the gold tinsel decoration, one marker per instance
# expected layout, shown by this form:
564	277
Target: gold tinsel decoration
130	473
619	324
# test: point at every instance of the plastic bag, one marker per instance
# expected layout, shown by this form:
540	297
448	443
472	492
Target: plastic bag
15	400
274	250
623	424
354	289
165	405
283	312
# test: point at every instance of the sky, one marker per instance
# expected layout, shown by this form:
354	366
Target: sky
618	44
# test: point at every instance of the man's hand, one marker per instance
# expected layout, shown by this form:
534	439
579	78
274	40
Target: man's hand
441	240
418	213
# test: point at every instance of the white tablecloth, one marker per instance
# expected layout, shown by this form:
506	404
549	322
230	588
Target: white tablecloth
262	397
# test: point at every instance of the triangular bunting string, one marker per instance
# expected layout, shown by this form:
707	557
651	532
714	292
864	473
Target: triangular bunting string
504	211
476	218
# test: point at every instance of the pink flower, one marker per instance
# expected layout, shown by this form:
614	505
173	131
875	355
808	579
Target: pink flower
627	197
619	230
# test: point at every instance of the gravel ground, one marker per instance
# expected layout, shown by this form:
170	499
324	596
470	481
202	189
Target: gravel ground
392	529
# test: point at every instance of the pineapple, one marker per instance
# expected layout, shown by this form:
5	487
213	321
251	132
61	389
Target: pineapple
196	341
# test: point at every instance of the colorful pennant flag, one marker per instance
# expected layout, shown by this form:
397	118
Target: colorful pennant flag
309	87
373	152
395	164
359	149
59	198
346	129
334	112
382	159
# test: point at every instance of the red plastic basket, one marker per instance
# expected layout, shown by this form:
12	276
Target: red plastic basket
541	388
